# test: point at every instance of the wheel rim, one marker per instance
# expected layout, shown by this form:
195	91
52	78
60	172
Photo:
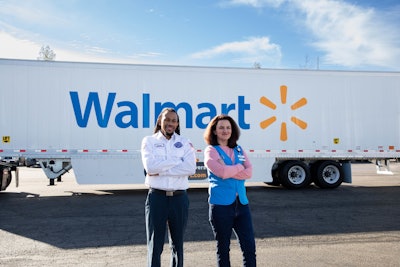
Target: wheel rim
296	175
331	174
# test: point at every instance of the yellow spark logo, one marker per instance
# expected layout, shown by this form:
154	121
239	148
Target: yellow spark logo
298	104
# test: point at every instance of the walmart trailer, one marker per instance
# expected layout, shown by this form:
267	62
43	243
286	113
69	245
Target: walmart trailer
297	126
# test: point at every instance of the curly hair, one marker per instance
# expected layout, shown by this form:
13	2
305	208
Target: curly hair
211	139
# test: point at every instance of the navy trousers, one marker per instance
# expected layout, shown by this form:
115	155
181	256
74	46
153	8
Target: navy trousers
235	217
163	211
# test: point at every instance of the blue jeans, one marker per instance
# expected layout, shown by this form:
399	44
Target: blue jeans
235	217
162	211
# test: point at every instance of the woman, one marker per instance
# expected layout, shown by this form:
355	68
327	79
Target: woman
228	167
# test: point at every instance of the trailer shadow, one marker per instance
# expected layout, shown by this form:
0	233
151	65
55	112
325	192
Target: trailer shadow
117	218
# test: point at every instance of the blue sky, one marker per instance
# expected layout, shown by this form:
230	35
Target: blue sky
290	34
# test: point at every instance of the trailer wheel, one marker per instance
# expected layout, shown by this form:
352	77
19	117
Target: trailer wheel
328	174
294	174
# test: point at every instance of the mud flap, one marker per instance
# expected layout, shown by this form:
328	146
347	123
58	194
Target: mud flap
346	167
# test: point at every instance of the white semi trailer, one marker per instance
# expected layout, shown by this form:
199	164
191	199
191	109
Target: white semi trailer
298	126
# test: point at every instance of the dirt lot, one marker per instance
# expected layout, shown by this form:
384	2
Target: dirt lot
356	224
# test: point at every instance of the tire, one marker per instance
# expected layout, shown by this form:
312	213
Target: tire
328	174
294	174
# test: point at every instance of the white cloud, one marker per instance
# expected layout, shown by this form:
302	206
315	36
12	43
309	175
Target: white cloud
96	54
33	12
350	35
12	47
147	55
257	3
19	43
15	48
255	49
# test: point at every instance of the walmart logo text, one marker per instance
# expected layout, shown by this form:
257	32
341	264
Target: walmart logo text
126	113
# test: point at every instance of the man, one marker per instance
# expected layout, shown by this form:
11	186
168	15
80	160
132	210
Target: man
168	160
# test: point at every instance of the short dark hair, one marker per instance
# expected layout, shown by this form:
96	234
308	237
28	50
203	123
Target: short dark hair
211	139
157	127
